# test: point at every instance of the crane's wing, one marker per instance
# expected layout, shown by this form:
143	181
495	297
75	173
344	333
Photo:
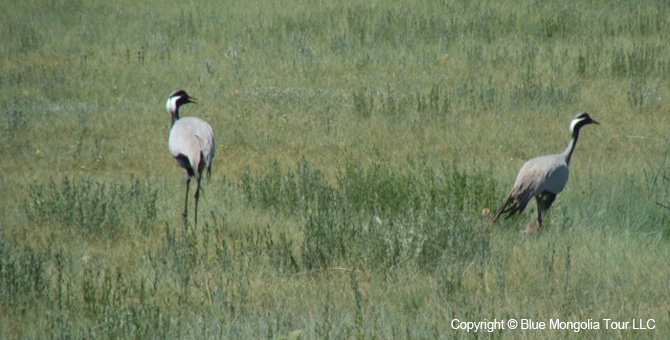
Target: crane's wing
193	139
207	148
535	176
517	200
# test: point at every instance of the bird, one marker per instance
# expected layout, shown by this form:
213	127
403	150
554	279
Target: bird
542	178
191	143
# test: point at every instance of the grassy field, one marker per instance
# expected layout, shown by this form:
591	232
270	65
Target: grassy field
358	144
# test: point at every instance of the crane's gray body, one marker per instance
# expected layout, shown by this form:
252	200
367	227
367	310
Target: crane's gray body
194	139
543	178
545	173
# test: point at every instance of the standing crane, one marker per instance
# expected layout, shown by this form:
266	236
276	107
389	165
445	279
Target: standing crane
191	143
543	178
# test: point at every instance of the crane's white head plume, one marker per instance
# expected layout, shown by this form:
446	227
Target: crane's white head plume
176	99
580	120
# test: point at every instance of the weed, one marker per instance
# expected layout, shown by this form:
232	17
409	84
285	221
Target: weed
379	214
640	95
363	103
91	206
15	120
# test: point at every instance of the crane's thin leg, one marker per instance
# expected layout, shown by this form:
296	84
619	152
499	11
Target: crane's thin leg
536	224
197	195
548	200
188	184
544	202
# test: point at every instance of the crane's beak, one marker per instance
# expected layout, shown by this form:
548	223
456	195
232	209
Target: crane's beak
189	99
594	121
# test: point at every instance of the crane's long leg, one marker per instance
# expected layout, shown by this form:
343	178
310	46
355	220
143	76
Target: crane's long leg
197	195
544	202
188	184
548	200
540	208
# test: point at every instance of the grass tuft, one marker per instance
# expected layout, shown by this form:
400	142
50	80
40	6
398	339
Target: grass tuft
92	207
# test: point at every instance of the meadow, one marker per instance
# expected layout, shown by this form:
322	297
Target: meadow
359	145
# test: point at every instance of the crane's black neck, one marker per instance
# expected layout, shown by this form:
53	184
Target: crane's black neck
175	115
573	140
577	123
571	146
177	99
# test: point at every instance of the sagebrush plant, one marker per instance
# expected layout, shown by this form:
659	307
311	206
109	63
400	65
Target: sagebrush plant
360	149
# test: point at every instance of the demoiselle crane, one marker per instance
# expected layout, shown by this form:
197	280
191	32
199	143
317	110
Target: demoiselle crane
191	143
542	178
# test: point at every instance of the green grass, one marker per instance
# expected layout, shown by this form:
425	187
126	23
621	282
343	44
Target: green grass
358	145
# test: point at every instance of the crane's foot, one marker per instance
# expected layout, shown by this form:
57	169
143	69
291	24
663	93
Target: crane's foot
533	227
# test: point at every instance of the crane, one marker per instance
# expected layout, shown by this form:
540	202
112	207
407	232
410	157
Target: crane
191	143
542	178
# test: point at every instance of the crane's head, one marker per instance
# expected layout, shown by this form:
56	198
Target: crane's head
580	120
177	99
